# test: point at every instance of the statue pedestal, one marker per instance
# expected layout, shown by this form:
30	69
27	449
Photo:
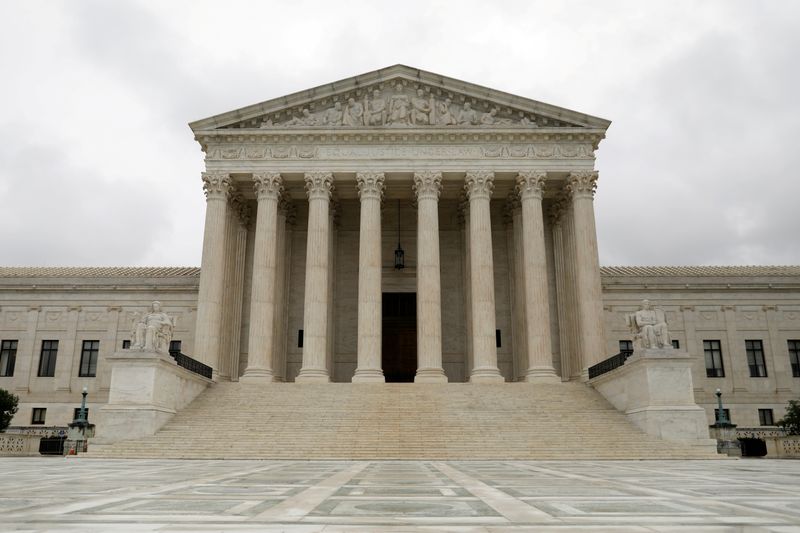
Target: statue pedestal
147	389
654	389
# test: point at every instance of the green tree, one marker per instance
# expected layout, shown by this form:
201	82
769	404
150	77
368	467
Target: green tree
791	422
8	406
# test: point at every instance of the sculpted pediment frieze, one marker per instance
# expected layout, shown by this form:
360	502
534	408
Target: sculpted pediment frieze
395	98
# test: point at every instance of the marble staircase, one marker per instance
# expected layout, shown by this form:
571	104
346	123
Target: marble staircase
348	421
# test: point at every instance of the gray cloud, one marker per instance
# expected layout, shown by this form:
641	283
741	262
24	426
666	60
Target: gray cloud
697	167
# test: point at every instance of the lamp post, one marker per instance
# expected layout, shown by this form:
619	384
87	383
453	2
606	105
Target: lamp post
82	413
721	418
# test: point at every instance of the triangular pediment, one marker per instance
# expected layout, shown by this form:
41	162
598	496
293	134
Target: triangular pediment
399	97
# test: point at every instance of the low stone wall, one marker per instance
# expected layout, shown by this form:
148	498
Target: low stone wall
783	447
18	445
147	389
654	389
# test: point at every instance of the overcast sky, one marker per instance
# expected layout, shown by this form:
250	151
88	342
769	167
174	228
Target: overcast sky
99	167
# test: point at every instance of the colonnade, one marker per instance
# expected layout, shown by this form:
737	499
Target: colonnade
578	287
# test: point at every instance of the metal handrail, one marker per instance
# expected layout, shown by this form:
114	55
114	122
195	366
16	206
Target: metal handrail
192	365
615	361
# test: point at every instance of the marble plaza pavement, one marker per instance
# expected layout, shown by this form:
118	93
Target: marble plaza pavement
92	495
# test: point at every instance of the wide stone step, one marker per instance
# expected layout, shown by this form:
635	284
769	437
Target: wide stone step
400	421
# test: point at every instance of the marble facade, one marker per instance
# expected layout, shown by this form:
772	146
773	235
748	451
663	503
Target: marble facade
491	196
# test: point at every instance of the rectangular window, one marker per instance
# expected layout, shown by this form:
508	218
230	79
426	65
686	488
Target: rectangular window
724	410
626	346
47	359
8	358
77	411
676	344
174	347
713	353
126	344
89	359
794	357
299	338
765	417
38	415
498	339
755	358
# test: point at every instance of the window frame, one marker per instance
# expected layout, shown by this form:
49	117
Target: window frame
8	357
175	346
36	420
793	345
89	357
50	348
676	344
712	348
628	346
754	348
762	417
725	410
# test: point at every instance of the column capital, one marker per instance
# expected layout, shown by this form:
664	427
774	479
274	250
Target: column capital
582	183
479	184
511	205
370	184
319	185
427	184
556	210
531	183
267	185
240	208
216	185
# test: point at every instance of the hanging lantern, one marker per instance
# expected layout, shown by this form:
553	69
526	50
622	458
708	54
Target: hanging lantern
399	254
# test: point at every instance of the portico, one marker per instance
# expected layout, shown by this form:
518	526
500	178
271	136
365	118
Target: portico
490	195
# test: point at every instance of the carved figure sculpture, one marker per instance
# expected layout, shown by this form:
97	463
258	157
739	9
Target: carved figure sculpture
467	116
152	332
443	115
649	327
421	109
487	119
353	113
398	107
306	120
375	110
334	115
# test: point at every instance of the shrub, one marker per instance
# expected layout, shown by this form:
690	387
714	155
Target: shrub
8	406
791	422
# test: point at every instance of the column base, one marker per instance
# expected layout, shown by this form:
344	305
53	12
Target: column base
313	375
486	374
257	375
542	375
368	375
430	375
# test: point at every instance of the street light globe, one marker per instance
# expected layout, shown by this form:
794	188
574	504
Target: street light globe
86	389
719	391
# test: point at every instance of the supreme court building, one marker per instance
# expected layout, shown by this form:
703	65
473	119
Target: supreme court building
401	226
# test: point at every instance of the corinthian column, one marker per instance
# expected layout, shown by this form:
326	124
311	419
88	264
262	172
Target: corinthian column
581	186
268	187
370	191
315	310
530	185
427	186
479	185
217	187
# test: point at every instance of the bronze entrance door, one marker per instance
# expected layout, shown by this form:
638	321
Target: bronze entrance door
399	349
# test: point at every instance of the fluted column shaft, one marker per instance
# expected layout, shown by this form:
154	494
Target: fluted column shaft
315	305
520	330
217	187
530	185
581	186
427	186
261	347
564	340
370	191
479	185
279	329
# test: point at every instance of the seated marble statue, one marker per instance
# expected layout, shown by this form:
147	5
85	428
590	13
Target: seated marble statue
649	327
152	332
